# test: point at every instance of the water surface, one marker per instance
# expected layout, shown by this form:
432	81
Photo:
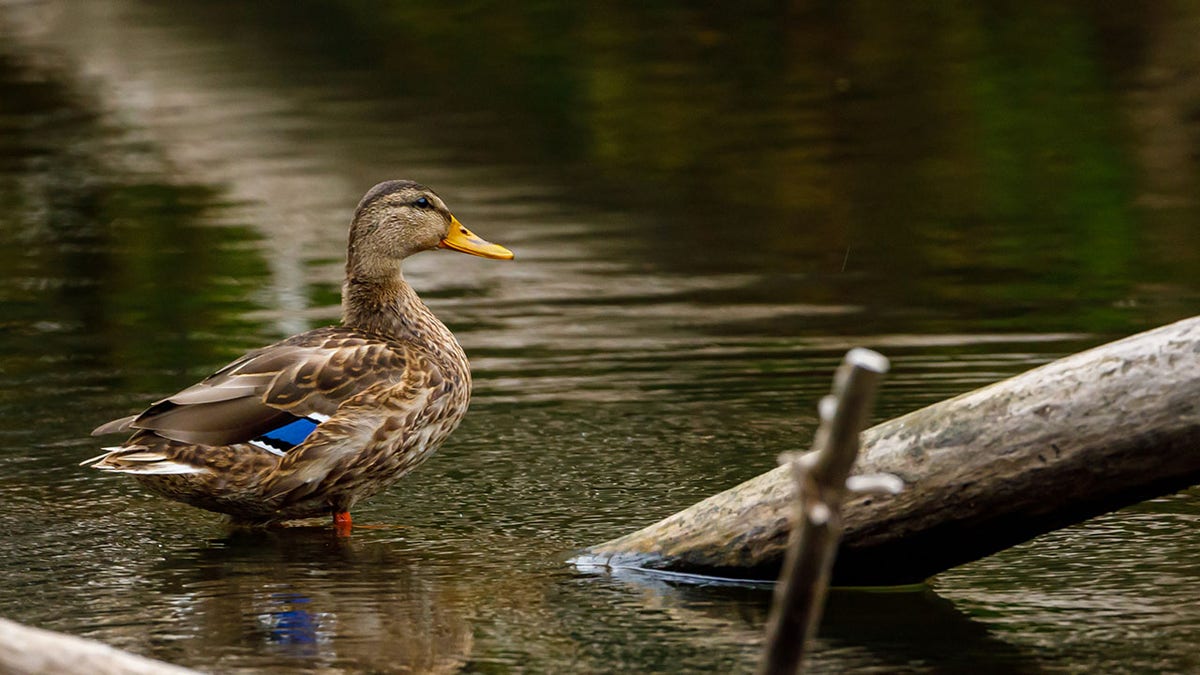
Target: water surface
706	212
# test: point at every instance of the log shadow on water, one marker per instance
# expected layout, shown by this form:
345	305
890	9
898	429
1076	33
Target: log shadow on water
902	629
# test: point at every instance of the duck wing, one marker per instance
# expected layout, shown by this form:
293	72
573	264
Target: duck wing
307	376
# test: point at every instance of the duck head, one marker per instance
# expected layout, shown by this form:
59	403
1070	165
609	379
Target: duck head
398	218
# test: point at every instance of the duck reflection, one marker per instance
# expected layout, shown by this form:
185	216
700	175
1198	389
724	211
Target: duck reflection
293	624
303	597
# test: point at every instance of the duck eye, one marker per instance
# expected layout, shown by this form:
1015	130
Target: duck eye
422	203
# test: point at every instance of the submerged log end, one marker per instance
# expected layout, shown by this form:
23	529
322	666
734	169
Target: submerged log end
676	544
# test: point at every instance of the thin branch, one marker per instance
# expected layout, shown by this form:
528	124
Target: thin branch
820	477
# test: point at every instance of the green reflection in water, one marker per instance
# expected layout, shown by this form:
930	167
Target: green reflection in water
946	166
107	269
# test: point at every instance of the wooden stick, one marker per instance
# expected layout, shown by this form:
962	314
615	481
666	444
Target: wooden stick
33	651
820	479
1072	439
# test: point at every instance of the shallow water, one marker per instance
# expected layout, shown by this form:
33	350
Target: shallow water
706	214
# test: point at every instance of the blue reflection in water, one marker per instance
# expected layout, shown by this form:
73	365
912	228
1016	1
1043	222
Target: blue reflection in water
293	624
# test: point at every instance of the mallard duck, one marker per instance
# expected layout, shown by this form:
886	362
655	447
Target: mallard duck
313	424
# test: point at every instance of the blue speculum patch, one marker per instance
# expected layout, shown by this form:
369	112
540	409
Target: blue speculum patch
288	436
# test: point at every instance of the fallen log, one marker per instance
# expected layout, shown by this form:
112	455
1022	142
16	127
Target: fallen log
33	651
989	469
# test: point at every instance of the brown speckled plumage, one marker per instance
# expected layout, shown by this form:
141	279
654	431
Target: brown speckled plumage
388	386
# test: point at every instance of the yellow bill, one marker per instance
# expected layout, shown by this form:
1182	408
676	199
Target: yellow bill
462	239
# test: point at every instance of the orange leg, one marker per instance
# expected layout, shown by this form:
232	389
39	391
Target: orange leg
342	523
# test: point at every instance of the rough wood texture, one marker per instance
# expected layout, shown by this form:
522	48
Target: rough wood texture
1083	435
820	481
33	651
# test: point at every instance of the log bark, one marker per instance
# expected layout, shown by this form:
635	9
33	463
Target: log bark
33	651
1064	442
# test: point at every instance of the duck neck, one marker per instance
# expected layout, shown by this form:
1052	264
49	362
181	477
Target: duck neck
388	306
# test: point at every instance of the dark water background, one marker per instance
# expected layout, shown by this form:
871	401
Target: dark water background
708	208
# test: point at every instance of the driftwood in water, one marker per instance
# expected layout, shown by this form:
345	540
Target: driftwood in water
984	471
820	480
30	651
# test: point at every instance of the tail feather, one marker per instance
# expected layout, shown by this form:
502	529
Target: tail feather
109	451
165	467
121	426
138	459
